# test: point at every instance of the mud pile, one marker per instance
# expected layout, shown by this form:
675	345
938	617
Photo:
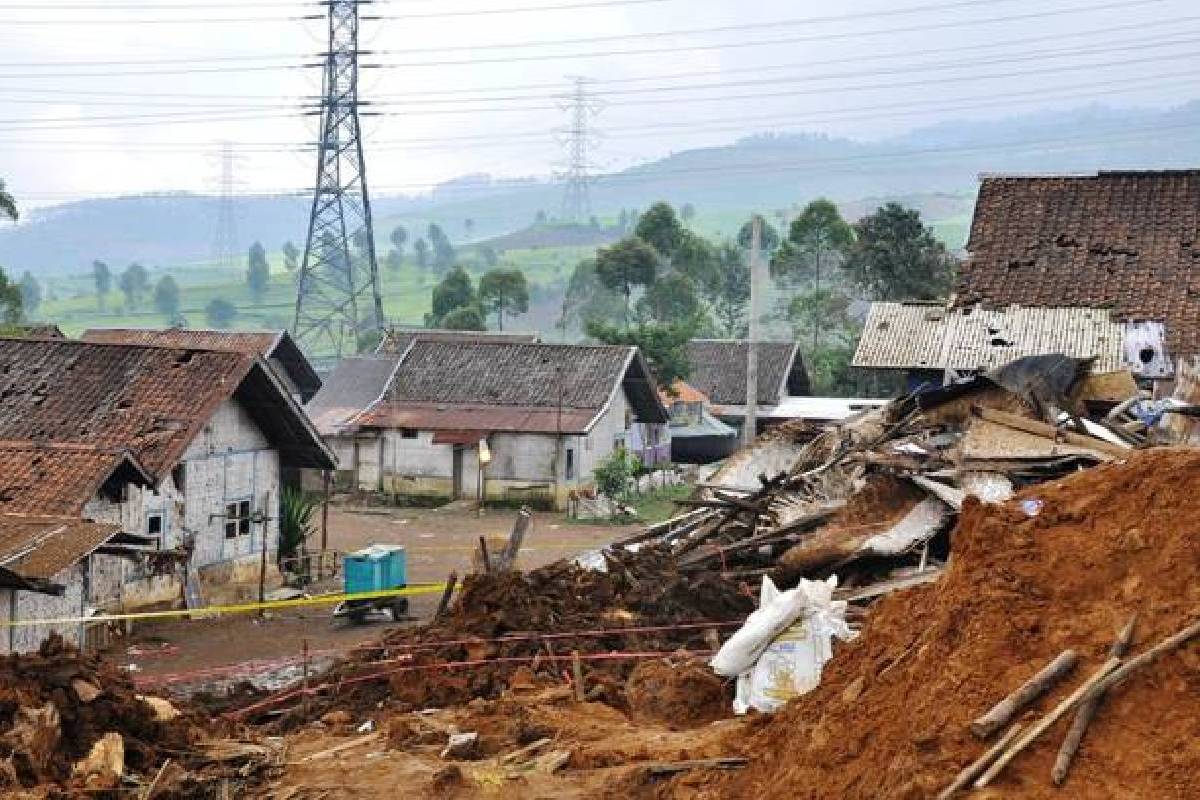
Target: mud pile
1025	582
57	703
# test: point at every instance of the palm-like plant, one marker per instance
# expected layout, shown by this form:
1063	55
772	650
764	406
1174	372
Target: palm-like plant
8	205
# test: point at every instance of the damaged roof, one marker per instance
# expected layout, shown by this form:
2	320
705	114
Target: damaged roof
150	400
719	370
1129	241
277	345
397	340
930	336
60	479
39	547
521	386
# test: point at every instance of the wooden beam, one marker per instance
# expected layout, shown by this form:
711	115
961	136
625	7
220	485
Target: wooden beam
1017	422
1003	712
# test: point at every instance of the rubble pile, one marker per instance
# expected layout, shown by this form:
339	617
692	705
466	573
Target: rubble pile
1063	565
56	705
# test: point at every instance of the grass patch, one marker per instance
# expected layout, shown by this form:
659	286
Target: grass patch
659	505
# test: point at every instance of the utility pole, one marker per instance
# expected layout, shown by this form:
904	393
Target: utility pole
578	139
750	424
337	293
225	238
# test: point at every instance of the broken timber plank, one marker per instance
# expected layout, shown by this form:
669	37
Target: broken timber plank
1017	422
344	746
888	586
675	767
1003	712
975	769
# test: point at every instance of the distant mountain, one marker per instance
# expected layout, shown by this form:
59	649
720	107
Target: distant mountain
766	172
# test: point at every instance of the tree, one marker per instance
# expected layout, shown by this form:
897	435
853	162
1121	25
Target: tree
768	237
455	291
896	257
664	346
291	256
467	318
443	251
220	313
421	251
730	298
661	229
504	291
817	238
688	212
587	299
8	204
626	264
258	273
10	301
31	293
166	297
134	283
398	237
102	277
671	298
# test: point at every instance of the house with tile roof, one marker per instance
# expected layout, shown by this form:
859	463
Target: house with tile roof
718	369
185	448
498	420
277	347
697	437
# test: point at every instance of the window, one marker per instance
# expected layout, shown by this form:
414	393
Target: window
570	466
409	433
237	519
154	525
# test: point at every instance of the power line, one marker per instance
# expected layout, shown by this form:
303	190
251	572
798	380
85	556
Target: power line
579	140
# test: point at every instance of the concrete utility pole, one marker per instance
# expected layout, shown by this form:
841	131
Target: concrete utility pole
750	424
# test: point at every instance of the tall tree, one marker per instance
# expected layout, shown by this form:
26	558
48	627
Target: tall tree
8	204
102	277
258	272
166	297
10	301
399	236
625	265
291	256
587	299
730	298
466	318
664	346
453	292
220	313
504	291
661	229
31	293
443	251
421	252
896	257
817	239
134	283
671	298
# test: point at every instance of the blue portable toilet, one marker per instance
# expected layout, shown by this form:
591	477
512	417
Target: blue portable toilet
377	568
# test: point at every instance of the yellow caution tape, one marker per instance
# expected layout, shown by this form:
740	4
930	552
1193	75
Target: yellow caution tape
241	608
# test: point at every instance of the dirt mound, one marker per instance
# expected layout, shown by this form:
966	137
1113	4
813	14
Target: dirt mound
57	703
680	695
890	717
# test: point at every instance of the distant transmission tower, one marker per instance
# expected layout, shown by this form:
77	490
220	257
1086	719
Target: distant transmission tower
579	141
225	239
337	290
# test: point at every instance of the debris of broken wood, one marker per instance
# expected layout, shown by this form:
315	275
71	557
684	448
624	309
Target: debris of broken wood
675	767
1007	709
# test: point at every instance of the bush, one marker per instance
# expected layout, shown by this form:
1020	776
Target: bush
614	474
295	520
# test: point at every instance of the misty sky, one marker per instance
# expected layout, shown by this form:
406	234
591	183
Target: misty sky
120	96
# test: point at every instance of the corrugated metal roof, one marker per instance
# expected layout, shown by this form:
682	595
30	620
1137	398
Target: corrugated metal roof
41	547
925	336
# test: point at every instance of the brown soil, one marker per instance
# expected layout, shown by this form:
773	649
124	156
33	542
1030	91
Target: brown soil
680	695
890	717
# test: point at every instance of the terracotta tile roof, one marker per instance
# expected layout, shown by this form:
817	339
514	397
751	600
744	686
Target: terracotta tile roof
397	340
41	547
59	478
1125	240
682	392
149	400
719	370
277	345
521	385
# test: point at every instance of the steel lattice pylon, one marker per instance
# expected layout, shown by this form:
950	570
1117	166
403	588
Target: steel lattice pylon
338	289
579	139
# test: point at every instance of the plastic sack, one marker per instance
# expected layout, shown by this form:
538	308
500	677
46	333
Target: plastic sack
776	611
791	662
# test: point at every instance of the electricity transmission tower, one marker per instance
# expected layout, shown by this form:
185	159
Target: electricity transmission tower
579	140
225	241
338	285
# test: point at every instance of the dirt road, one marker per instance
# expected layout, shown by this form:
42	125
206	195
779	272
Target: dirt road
437	540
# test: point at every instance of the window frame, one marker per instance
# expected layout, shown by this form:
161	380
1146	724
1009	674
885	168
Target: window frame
238	516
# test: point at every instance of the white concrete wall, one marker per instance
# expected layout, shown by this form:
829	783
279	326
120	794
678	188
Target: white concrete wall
15	606
522	457
417	458
603	438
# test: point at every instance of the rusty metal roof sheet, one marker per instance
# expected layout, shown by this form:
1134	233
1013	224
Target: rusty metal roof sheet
927	336
41	547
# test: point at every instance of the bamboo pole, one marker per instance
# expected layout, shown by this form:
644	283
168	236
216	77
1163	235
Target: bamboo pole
1003	712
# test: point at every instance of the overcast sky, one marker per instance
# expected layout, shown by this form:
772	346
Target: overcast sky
125	96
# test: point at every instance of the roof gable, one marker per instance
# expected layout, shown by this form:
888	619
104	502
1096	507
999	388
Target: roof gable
61	478
1125	240
718	369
